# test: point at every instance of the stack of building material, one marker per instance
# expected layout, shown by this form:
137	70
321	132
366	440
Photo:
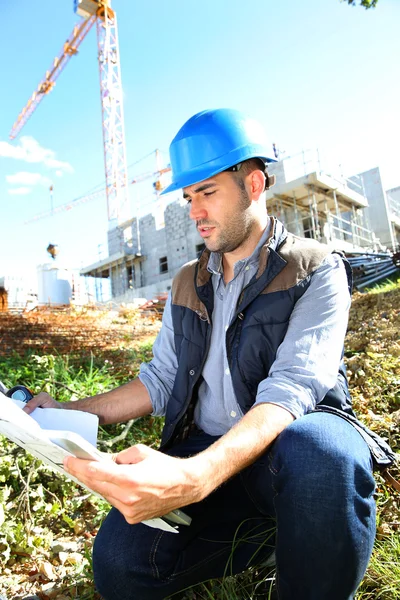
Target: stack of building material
369	268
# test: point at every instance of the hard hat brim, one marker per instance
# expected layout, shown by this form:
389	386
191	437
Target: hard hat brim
203	173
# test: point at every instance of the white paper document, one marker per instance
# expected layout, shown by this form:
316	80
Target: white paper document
51	434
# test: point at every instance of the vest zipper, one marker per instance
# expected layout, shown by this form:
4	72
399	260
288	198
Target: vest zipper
199	372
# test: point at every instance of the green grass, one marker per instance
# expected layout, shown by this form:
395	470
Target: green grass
382	580
388	285
36	506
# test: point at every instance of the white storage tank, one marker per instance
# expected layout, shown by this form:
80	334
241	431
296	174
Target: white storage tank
54	285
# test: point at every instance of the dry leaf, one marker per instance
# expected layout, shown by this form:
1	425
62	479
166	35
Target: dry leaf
46	569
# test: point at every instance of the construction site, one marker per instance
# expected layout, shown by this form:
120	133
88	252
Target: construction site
75	332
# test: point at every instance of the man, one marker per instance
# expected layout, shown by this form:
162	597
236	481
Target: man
248	372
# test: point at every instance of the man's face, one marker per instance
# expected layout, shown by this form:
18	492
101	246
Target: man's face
221	209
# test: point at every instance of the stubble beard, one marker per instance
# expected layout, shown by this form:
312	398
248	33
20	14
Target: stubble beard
237	231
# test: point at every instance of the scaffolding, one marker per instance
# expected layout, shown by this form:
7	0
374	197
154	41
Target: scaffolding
320	204
123	268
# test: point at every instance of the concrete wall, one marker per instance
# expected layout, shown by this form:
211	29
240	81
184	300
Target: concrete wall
177	241
278	169
393	197
378	210
394	193
115	239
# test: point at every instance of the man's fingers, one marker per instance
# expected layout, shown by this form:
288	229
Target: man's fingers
133	455
106	483
88	470
41	400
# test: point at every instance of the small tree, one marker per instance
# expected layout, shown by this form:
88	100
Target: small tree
364	3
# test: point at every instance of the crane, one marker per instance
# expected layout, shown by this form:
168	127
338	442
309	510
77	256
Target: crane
97	12
101	193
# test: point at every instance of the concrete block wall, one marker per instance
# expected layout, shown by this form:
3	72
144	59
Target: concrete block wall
119	279
134	247
181	234
394	201
278	169
378	210
153	247
177	241
118	240
115	239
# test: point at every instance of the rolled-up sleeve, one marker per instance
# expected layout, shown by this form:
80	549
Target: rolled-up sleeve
307	361
159	375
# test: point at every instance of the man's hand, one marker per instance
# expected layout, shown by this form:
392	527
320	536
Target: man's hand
141	483
42	400
129	401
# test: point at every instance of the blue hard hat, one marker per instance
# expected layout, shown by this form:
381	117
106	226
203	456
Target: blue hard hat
211	142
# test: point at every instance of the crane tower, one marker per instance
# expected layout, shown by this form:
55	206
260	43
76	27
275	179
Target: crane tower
97	12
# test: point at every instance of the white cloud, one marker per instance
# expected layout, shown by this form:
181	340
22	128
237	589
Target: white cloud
31	151
24	178
52	163
21	191
59	173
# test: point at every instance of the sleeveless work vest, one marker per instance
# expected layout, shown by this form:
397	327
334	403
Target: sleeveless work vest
256	331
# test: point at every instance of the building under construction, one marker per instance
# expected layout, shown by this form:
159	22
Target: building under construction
143	255
319	204
310	201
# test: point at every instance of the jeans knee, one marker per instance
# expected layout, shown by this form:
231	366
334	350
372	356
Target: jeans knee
325	452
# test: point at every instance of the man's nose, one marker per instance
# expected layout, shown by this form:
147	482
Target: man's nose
197	210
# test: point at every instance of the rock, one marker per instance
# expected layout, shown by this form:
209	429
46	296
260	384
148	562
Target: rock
63	546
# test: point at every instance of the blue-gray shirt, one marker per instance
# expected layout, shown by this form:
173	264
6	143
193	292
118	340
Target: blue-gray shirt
307	361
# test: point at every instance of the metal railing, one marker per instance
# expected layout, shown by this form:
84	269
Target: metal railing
309	161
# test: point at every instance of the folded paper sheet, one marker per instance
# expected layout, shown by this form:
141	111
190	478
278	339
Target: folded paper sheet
51	434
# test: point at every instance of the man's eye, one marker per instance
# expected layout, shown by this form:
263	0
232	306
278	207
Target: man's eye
209	193
188	200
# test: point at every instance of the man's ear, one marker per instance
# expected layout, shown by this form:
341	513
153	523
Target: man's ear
257	184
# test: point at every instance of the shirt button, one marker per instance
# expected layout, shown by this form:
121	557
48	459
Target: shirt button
233	414
247	268
227	372
226	327
191	372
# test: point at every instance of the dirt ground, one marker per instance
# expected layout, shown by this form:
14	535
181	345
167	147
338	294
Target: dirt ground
372	356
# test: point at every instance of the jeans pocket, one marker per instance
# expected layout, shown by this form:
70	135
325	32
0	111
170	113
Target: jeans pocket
161	556
257	480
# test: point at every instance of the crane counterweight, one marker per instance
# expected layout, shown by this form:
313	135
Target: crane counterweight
86	8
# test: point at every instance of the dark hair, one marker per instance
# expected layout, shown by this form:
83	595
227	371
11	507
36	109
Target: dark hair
245	168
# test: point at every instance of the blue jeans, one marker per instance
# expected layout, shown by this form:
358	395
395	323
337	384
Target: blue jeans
314	484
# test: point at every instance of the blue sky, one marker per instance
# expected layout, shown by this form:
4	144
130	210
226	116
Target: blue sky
316	73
